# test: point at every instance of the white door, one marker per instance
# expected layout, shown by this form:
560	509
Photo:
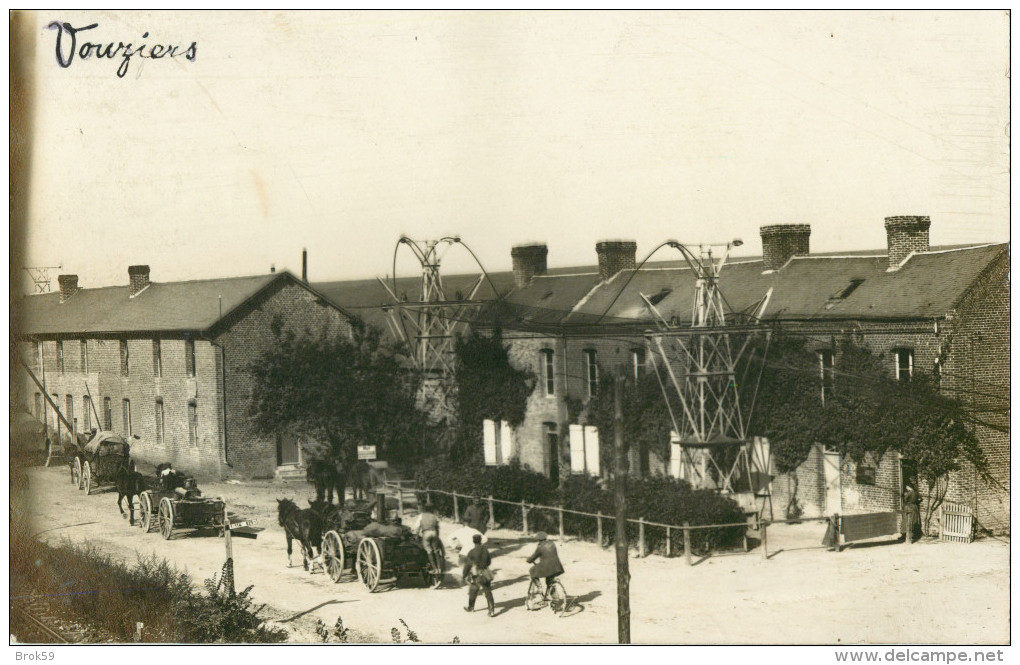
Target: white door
833	497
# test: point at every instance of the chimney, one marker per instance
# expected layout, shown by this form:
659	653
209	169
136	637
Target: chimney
528	261
781	242
139	276
68	286
614	256
906	234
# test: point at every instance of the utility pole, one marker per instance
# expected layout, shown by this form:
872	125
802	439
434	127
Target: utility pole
620	490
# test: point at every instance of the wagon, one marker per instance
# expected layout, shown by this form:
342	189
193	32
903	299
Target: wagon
382	559
179	508
348	553
97	461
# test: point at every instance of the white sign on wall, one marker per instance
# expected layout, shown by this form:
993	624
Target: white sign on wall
366	452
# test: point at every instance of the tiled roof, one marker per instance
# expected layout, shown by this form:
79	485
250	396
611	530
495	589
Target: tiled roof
806	288
161	306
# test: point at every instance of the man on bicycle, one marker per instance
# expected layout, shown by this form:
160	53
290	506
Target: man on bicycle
428	529
548	565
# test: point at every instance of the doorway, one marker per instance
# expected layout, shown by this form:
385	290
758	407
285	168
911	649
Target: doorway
288	451
833	495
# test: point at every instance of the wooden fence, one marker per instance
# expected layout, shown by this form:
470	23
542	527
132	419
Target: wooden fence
957	522
401	489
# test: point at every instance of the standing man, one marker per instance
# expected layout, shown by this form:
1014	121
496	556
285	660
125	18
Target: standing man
478	575
476	516
428	529
548	565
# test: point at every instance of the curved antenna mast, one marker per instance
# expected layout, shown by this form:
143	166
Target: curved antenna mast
429	324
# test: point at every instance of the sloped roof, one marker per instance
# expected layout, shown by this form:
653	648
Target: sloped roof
161	306
367	298
807	288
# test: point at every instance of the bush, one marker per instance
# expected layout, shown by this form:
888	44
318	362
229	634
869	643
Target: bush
662	500
96	590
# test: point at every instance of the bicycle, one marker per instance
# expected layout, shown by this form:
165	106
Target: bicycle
555	596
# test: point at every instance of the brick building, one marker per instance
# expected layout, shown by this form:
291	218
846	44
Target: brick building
167	362
919	308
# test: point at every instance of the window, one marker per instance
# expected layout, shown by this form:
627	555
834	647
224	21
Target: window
192	423
552	446
107	414
637	360
37	352
124	364
69	413
60	356
157	358
591	371
827	367
548	375
126	407
189	356
159	422
54	400
904	364
86	405
85	356
38	405
866	474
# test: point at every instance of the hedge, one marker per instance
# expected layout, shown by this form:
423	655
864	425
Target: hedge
663	500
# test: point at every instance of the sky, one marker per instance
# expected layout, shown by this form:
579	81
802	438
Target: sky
340	132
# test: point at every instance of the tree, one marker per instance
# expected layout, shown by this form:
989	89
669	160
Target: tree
867	411
339	393
646	421
488	387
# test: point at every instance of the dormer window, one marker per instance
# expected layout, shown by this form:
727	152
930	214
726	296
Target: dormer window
844	293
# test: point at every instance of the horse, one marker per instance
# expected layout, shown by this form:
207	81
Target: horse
363	479
305	526
129	484
327	476
342	519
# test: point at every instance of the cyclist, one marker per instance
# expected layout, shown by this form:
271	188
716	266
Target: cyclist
428	529
548	565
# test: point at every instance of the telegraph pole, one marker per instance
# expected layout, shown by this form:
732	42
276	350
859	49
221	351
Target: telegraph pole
620	490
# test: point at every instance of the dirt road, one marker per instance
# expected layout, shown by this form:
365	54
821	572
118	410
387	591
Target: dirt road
929	592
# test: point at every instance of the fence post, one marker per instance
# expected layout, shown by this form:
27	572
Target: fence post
560	511
428	498
492	515
456	510
400	501
642	551
599	518
687	542
524	516
669	544
765	540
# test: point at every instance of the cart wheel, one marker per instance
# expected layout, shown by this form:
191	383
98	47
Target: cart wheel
76	472
145	501
166	518
86	478
557	598
333	555
435	577
369	563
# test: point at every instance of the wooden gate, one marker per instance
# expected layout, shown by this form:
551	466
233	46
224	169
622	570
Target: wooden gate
957	522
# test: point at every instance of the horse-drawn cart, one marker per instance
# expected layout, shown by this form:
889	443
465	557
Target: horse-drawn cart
174	502
375	553
98	460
